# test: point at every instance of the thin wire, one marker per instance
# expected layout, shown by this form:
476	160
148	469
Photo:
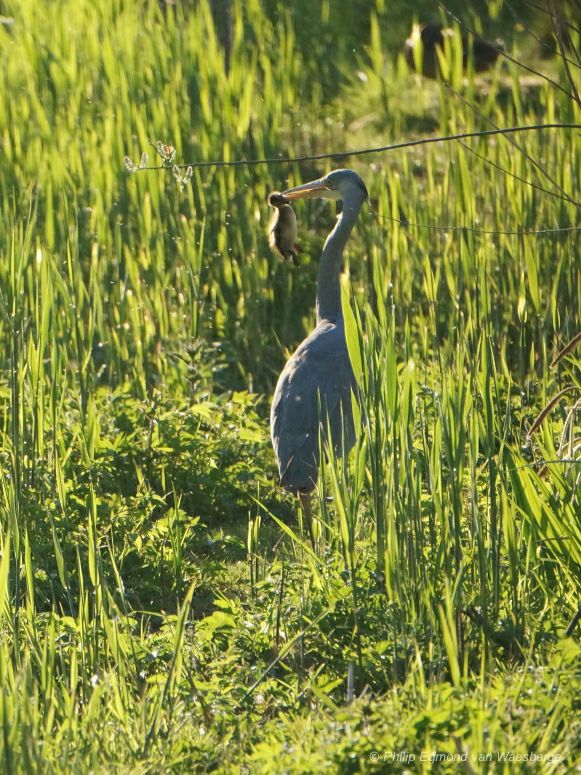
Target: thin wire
474	230
503	53
525	153
538	39
516	177
365	151
559	36
546	11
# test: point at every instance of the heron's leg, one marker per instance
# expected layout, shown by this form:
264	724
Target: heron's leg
307	506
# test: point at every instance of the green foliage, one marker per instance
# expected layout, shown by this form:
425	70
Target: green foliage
161	610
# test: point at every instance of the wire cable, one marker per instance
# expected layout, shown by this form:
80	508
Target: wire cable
476	230
503	53
363	151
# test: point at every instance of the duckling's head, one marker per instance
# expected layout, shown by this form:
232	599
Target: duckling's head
276	199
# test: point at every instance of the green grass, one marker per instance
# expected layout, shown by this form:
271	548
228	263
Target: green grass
160	607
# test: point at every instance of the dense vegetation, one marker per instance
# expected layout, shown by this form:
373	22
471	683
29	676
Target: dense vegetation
160	608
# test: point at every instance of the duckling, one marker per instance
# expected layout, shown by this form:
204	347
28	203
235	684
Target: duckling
282	230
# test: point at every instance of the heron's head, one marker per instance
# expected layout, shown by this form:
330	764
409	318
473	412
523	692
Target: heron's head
339	184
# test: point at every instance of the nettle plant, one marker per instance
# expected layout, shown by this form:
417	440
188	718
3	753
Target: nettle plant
167	155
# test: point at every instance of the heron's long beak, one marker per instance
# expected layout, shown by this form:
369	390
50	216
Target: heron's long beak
307	190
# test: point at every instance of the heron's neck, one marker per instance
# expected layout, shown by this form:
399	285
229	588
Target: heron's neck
328	285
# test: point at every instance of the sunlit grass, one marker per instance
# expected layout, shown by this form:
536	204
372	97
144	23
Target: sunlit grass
161	608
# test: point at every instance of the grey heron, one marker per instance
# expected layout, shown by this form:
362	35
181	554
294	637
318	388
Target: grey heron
314	391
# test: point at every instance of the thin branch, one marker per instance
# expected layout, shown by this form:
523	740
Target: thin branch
549	407
573	623
569	347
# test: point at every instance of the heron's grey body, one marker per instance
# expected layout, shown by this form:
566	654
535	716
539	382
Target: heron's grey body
315	389
315	383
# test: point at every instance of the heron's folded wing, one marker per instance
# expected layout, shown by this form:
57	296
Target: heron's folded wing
314	388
